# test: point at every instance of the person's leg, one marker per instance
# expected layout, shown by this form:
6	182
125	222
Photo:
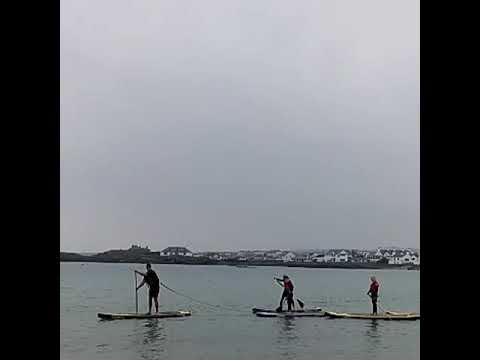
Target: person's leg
149	303
156	303
374	303
281	302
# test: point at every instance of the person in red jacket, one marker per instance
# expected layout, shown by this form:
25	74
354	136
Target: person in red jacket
287	285
373	293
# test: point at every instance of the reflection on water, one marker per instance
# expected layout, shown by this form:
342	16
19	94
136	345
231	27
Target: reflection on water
287	338
373	336
153	332
288	329
153	340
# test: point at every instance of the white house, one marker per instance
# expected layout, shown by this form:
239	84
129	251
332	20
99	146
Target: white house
395	260
319	258
404	257
417	259
384	253
176	251
290	256
329	256
373	258
342	256
407	258
413	258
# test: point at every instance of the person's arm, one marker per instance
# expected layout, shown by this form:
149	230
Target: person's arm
280	282
140	273
141	284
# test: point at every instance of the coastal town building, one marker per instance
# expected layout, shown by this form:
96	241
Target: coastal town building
389	256
290	256
176	251
319	258
343	256
392	255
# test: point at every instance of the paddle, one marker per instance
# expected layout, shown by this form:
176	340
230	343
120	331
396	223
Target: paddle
381	308
385	311
136	293
300	302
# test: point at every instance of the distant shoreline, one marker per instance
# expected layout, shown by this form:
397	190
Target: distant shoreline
70	257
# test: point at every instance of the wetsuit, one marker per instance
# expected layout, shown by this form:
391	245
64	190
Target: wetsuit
373	292
153	283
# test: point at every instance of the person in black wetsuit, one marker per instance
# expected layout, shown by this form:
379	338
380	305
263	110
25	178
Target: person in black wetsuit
153	282
287	285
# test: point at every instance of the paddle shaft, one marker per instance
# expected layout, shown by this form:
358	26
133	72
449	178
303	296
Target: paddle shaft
136	293
381	308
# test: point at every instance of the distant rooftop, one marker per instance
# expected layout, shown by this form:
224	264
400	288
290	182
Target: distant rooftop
176	249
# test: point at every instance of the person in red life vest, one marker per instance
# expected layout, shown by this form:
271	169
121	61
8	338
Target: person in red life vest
287	285
373	293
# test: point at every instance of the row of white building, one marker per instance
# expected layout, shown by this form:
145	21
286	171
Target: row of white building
397	256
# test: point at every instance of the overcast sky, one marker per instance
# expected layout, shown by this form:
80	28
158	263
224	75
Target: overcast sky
239	124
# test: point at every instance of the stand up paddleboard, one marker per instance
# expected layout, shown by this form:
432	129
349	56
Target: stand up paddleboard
290	314
388	315
313	310
159	315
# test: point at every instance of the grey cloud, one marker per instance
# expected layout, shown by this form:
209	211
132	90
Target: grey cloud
241	124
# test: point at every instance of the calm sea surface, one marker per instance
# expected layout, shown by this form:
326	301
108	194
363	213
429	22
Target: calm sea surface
232	331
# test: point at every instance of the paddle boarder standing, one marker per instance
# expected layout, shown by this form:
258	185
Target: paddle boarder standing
153	282
287	285
373	293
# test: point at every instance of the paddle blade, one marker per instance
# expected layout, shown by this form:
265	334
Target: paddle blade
300	303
